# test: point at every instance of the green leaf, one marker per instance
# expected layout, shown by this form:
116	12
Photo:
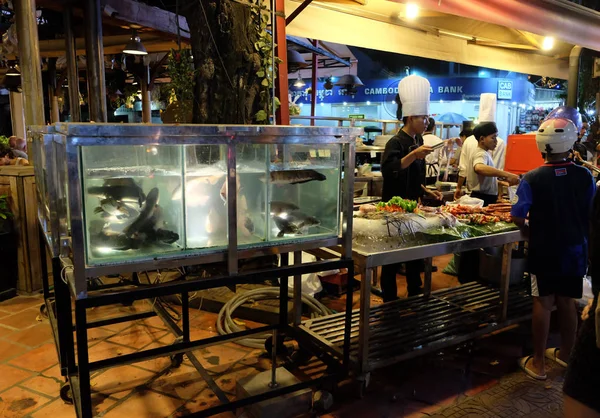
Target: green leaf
261	116
265	82
260	73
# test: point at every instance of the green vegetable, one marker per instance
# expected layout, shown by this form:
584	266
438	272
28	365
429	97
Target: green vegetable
406	205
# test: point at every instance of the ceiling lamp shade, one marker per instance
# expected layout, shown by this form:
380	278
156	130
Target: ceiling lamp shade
135	46
349	80
295	61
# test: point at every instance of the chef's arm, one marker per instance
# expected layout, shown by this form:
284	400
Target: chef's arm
408	160
460	183
487	171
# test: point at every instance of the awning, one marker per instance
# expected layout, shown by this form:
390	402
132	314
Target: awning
382	25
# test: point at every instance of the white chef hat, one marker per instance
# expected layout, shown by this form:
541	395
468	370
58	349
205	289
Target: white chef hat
487	107
414	93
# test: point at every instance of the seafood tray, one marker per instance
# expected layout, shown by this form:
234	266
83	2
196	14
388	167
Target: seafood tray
409	327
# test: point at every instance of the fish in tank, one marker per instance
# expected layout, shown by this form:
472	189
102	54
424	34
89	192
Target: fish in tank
142	201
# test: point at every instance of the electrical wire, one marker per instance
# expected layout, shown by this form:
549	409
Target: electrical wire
226	325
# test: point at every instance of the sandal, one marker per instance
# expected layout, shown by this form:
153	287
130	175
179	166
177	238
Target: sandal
552	354
523	365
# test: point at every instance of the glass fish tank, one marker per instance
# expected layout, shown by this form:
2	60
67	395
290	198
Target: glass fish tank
137	194
42	154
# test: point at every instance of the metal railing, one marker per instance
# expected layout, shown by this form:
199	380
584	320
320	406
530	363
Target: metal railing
388	127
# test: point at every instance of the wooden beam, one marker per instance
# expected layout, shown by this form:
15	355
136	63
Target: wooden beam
529	38
503	45
130	13
135	13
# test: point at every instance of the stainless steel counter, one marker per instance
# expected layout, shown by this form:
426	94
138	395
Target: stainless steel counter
367	261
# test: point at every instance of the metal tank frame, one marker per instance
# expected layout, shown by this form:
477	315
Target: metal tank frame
76	367
68	139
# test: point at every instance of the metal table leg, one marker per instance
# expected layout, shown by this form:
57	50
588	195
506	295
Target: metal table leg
427	276
365	314
83	363
297	291
505	280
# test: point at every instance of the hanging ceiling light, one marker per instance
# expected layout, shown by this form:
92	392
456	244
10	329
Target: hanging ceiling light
299	82
135	46
13	71
349	83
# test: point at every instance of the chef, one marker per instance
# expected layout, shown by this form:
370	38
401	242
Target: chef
487	113
403	169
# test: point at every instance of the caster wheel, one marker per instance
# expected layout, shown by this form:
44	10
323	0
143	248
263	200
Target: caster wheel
281	348
176	360
65	393
43	311
300	357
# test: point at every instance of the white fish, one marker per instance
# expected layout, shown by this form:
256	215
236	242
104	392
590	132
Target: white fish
196	190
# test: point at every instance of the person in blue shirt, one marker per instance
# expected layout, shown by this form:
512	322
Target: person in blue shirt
552	207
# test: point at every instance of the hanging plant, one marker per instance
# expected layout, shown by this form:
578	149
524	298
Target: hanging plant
267	71
180	67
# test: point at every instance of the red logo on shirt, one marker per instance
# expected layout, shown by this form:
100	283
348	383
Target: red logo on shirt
560	171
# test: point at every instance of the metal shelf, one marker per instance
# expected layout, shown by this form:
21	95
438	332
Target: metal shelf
411	327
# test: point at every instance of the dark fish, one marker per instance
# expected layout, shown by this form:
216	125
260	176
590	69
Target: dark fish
120	181
118	242
145	215
150	235
278	208
249	225
294	223
131	193
112	207
296	176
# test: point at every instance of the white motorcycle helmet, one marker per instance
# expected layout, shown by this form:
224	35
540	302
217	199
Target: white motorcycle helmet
556	136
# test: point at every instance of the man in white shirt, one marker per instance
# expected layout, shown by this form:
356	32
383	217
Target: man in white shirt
487	113
432	161
482	177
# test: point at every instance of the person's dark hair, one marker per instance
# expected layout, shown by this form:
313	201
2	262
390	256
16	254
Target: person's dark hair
466	133
484	129
431	125
584	118
405	120
5	150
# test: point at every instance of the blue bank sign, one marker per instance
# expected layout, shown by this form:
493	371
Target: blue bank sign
442	88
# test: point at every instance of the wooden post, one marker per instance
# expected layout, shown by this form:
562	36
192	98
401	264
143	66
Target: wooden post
31	71
72	71
53	91
95	61
146	100
17	114
283	113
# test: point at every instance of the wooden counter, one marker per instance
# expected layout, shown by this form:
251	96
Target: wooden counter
19	183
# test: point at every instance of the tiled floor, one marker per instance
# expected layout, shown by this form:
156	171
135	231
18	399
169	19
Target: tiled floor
30	378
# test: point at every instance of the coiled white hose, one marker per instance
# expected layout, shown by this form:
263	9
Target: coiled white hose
226	325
